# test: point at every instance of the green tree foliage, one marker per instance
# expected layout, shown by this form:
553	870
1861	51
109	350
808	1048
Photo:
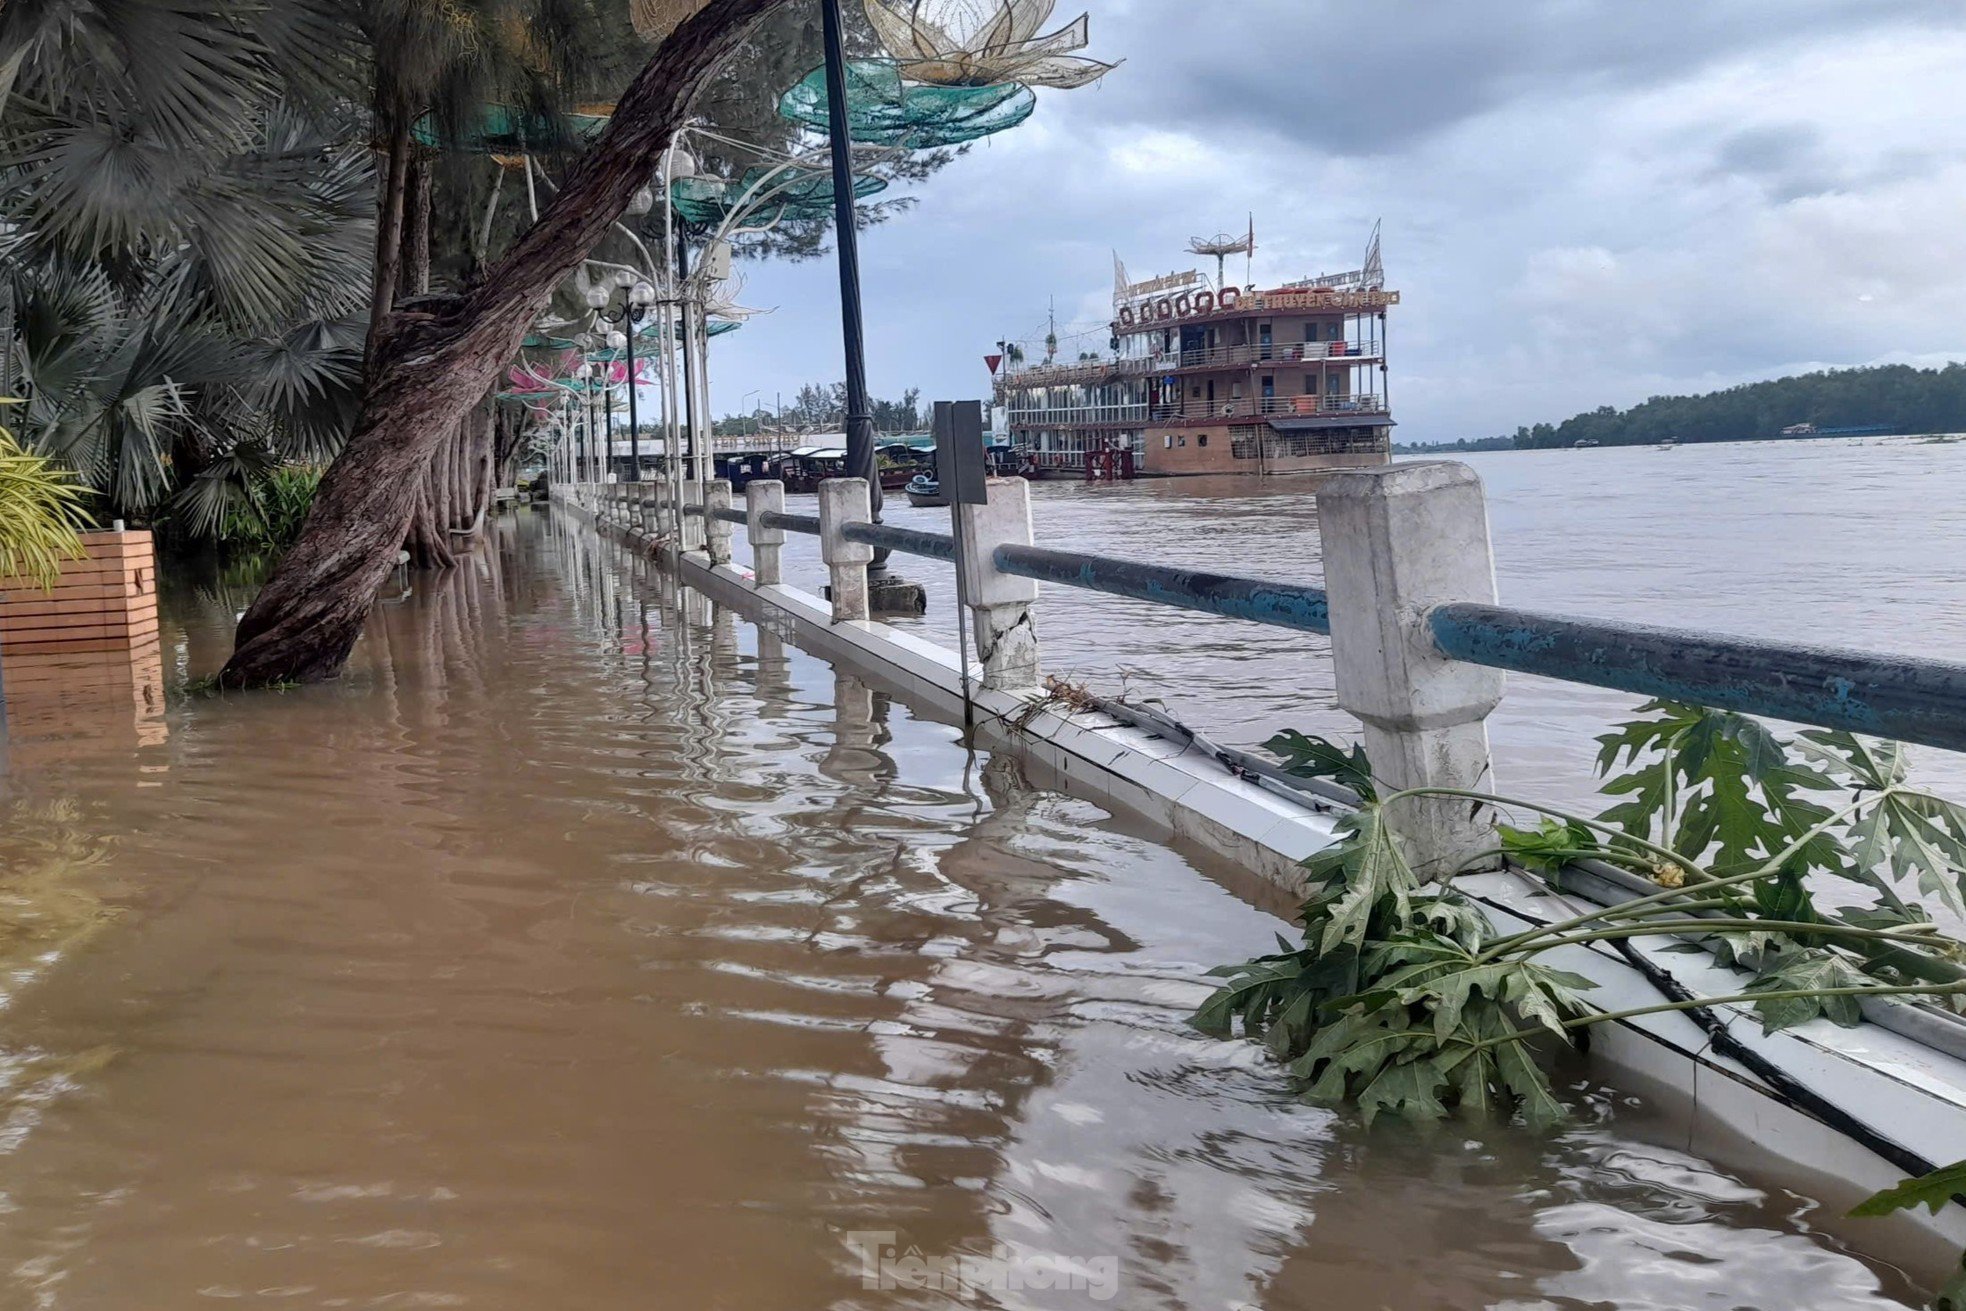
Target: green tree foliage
816	408
1898	396
1402	998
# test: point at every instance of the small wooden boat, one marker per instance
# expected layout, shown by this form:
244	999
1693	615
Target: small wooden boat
924	491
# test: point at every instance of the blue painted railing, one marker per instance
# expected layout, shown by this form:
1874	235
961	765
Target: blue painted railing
1897	697
1284	605
908	541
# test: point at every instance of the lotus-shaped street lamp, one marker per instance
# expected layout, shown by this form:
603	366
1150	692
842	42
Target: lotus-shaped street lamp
984	42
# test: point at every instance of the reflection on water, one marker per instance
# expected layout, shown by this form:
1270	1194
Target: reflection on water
1853	543
587	947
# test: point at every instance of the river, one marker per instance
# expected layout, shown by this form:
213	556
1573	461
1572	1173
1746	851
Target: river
585	948
1834	541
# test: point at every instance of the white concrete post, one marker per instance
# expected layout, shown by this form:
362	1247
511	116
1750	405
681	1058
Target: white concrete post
1398	541
1006	637
690	529
843	501
764	496
717	531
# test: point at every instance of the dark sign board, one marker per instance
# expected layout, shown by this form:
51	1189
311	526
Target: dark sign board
960	463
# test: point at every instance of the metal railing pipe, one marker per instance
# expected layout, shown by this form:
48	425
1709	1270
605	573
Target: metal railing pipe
730	516
1897	697
1260	600
793	523
908	541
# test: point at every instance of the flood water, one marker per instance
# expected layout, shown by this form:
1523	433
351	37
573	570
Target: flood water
585	949
1836	542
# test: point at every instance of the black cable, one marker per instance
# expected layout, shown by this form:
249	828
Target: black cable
1784	1084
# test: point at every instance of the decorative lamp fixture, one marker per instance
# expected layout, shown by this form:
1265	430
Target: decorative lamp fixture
641	202
984	42
678	163
596	298
617	340
641	295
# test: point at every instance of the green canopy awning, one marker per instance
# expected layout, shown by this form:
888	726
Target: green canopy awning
790	195
883	110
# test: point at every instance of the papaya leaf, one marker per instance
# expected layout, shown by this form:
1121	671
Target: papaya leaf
1308	756
1549	846
1373	870
1932	1190
1411	1089
1812	968
1913	838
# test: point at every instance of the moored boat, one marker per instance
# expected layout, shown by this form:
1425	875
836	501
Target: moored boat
924	492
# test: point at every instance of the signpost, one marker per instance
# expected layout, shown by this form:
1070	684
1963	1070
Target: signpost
962	467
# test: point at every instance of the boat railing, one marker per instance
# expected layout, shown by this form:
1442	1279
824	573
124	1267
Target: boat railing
1239	407
1259	353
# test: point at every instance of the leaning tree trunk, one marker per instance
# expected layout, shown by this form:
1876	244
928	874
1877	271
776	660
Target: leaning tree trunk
430	368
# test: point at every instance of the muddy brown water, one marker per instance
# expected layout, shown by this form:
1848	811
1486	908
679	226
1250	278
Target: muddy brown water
587	948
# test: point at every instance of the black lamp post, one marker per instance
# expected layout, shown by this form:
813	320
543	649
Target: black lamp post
859	422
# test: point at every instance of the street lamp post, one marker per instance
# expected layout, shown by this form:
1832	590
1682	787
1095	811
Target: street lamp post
637	297
859	423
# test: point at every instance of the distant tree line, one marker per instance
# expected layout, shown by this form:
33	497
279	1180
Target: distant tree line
1462	444
822	408
1898	396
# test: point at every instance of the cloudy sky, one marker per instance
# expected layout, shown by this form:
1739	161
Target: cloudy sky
1586	202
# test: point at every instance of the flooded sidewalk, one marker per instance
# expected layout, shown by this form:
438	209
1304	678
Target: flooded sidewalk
590	948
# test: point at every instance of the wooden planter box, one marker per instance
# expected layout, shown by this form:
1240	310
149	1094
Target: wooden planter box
105	602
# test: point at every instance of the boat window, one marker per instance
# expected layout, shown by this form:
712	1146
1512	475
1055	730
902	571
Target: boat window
1202	440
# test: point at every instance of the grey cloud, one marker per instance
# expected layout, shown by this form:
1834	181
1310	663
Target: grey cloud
1366	79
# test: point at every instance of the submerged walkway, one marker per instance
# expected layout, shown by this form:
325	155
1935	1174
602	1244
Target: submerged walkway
590	949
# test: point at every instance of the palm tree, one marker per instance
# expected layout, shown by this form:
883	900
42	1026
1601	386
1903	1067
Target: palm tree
183	236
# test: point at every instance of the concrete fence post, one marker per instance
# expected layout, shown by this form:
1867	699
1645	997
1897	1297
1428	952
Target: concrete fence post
689	531
1006	637
843	501
717	531
764	496
1398	541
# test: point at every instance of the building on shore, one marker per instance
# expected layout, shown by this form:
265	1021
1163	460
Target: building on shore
1205	377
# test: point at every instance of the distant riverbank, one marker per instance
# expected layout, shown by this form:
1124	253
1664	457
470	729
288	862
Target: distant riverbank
1467	446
